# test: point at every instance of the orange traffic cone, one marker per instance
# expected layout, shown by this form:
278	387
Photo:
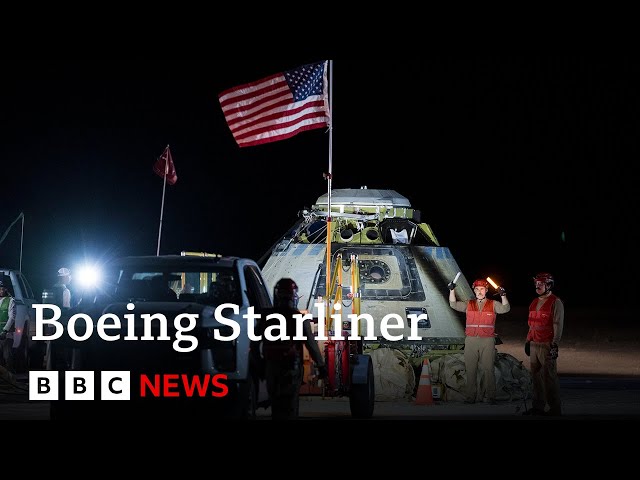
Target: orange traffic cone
425	395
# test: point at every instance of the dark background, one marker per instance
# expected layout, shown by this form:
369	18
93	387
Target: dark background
519	165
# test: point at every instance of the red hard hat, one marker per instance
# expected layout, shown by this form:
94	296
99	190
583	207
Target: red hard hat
547	278
480	283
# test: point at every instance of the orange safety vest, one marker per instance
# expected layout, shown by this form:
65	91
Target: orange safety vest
480	323
541	321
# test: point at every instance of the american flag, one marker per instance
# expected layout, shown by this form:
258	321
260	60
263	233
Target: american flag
164	167
279	106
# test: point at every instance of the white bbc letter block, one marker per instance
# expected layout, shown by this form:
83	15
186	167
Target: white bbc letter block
78	385
115	385
43	385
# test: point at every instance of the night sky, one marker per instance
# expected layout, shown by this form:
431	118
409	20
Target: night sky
519	165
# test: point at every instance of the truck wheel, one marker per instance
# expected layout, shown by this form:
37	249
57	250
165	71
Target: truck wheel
362	395
36	356
21	357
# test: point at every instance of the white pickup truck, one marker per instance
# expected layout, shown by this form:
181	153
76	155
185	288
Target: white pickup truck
169	286
23	348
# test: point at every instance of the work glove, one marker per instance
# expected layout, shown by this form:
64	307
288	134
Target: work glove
322	372
501	291
527	348
451	285
553	351
3	335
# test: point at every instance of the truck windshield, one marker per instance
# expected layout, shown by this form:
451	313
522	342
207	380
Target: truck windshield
211	287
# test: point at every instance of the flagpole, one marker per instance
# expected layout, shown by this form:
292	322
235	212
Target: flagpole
6	232
21	240
164	187
329	178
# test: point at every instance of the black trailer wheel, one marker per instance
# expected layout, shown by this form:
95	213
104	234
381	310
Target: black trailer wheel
362	395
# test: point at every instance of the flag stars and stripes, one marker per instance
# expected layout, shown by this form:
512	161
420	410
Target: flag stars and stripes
305	81
278	106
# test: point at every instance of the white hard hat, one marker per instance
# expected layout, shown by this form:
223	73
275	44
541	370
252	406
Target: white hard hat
64	272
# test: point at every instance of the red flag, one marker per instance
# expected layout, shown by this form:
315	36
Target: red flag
277	107
164	166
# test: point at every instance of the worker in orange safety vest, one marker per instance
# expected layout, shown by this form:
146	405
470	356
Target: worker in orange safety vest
479	342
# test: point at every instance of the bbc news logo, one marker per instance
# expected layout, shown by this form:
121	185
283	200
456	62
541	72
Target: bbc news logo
116	385
79	385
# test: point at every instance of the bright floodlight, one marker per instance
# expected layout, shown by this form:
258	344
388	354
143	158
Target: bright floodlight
88	276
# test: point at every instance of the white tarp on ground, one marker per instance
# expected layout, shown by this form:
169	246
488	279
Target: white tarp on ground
393	374
513	380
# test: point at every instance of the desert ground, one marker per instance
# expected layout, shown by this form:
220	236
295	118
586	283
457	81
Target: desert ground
594	341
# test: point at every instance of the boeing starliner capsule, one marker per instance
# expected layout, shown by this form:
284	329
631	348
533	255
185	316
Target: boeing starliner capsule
384	260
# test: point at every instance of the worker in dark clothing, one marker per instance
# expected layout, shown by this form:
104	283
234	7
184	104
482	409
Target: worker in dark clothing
283	359
546	322
8	311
